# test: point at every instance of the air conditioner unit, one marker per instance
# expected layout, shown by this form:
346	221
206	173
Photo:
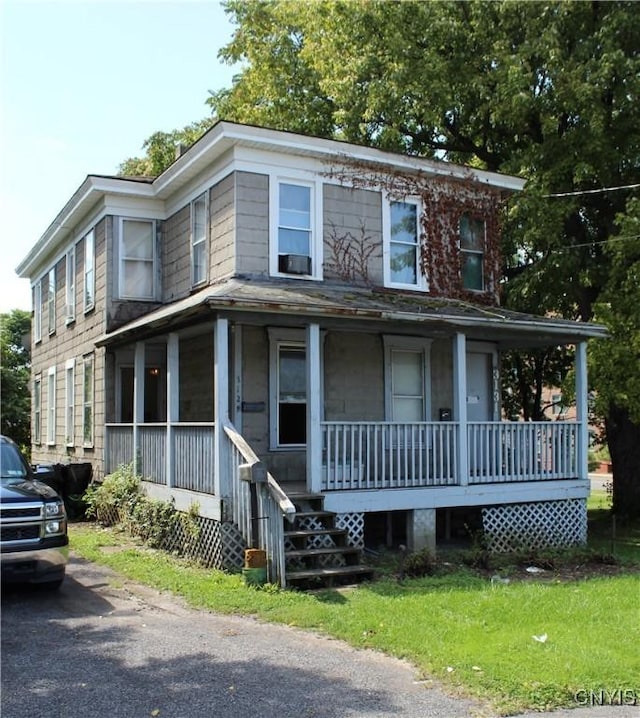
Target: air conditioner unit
294	264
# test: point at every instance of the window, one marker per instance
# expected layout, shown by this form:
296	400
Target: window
70	301
51	300
89	272
69	393
51	406
407	379
37	312
295	217
288	380
472	234
137	259
199	226
37	410
87	400
402	245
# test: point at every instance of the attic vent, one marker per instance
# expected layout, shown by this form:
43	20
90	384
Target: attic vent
294	264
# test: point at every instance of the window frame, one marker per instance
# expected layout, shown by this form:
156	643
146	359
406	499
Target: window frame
37	410
51	300
89	271
418	345
70	285
315	225
198	241
464	252
88	361
51	406
421	283
69	402
153	261
37	312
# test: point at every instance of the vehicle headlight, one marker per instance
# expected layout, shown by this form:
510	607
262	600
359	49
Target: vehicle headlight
53	508
53	527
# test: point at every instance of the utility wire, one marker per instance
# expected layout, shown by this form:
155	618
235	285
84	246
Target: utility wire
578	193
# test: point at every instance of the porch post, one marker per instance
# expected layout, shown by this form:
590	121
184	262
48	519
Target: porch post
173	401
460	405
314	438
220	404
138	402
582	410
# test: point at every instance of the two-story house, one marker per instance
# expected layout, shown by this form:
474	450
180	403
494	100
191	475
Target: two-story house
282	317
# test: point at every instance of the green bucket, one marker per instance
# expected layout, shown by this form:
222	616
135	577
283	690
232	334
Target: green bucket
255	576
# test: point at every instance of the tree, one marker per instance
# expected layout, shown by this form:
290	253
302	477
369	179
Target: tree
15	368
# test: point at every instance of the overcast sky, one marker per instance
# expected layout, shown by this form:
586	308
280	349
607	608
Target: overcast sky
84	83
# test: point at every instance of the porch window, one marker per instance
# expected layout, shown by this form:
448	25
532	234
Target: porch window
70	284
51	406
37	311
402	244
51	300
87	400
137	259
69	392
37	410
199	239
472	240
89	272
153	386
295	212
291	395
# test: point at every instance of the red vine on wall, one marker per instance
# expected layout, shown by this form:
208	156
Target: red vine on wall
445	199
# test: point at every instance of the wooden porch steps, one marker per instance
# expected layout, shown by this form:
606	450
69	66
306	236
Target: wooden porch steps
318	554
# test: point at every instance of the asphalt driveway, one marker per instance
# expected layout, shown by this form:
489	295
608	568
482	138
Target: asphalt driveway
105	647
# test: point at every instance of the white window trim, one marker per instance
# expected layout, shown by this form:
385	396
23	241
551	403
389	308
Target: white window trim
88	359
153	261
414	344
37	410
316	240
70	286
278	338
89	275
69	401
204	240
482	254
421	281
51	406
37	311
51	301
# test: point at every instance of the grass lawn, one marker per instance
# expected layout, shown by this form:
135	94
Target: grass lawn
527	644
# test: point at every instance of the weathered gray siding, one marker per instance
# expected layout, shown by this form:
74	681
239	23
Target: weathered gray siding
176	255
352	226
252	223
441	377
196	378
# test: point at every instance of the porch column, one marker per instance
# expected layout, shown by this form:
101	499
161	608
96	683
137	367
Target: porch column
582	411
460	406
314	400
138	402
173	401
220	404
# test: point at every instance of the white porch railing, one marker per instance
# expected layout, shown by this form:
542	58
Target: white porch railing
272	504
522	451
382	455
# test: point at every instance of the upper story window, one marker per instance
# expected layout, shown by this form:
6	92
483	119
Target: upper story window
199	226
296	244
472	240
70	298
402	245
137	259
37	312
89	272
51	300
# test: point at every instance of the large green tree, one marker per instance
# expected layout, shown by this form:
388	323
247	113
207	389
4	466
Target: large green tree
15	364
545	90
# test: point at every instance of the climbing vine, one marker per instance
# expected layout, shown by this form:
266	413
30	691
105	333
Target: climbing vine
445	200
349	254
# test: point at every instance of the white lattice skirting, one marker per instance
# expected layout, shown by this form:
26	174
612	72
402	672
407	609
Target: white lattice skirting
545	524
354	523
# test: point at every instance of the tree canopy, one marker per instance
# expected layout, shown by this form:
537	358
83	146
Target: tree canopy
15	367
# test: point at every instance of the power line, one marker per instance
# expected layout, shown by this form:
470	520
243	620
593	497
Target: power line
578	193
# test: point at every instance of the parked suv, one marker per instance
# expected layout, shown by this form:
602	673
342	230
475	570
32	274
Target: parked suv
33	523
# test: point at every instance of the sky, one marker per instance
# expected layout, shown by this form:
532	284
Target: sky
84	83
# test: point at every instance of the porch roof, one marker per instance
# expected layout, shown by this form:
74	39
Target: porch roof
304	300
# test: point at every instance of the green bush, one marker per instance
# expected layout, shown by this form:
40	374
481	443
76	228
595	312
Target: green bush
112	499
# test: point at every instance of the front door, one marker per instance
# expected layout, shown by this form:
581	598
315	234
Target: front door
479	402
